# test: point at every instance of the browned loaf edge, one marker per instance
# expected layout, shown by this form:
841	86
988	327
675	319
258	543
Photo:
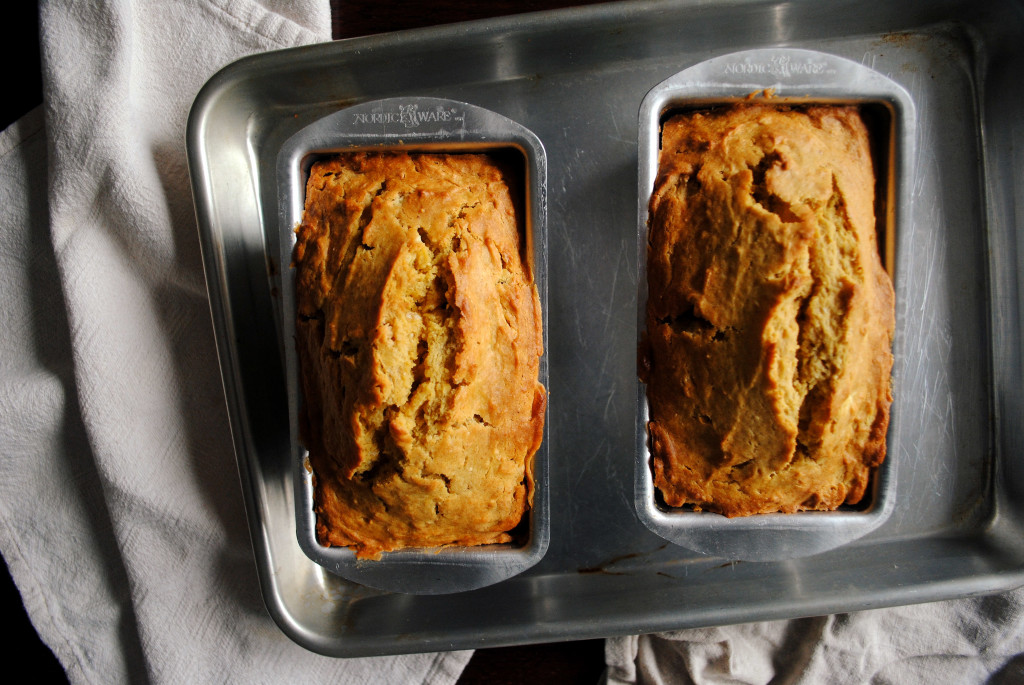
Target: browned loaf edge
770	317
419	340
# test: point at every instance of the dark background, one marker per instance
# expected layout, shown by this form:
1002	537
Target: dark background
564	663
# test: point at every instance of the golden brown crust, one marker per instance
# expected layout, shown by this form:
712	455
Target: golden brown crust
419	341
770	317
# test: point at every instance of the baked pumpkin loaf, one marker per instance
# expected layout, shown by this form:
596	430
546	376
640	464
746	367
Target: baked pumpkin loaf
419	342
770	316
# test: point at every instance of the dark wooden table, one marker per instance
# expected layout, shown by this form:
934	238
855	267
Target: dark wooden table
566	663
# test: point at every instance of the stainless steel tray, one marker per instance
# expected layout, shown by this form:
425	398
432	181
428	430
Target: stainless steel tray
576	79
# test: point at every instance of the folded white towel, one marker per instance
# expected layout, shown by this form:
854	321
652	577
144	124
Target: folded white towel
974	640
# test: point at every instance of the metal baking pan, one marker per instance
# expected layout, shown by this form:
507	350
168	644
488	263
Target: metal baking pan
794	77
413	124
576	78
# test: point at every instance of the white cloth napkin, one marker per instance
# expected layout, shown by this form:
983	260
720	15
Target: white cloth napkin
977	640
121	515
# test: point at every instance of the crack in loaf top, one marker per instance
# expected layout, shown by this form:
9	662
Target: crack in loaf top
419	338
770	316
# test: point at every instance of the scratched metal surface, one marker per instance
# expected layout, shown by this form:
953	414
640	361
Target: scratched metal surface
576	78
